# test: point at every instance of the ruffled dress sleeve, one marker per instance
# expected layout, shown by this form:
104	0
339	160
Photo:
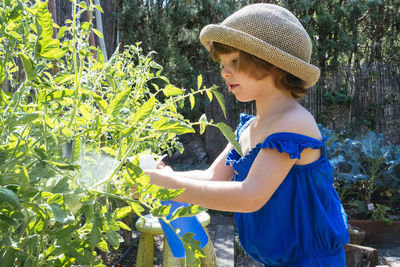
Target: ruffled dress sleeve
291	143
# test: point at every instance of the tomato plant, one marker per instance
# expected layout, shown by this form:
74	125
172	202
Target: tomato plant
65	182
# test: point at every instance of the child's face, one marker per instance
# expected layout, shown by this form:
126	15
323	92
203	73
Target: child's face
244	87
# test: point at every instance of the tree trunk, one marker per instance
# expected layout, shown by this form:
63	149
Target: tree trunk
91	35
52	10
99	26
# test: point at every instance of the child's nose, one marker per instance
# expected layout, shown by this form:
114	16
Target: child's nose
225	73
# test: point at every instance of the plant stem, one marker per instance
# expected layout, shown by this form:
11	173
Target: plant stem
180	98
19	141
76	80
119	197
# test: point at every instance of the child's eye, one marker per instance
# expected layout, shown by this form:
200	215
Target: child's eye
235	61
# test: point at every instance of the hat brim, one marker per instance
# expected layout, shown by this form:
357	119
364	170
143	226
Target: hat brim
261	49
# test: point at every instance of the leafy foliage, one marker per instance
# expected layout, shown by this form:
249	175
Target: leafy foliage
348	32
65	136
366	171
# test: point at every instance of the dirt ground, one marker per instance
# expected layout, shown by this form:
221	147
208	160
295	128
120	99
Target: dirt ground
113	259
241	259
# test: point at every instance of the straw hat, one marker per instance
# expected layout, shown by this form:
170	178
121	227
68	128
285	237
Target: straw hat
269	32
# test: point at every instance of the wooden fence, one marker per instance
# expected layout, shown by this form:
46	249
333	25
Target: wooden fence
367	97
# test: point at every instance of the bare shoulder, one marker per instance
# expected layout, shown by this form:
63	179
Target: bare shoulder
297	120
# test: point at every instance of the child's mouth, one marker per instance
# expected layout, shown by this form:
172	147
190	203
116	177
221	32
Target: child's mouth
231	86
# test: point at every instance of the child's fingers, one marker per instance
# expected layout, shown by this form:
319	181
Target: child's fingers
161	165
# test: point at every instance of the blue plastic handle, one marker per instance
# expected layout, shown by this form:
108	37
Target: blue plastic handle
186	225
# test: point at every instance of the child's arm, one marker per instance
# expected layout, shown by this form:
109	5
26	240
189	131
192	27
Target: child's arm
267	173
218	171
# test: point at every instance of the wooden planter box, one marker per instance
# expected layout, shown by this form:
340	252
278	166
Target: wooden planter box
378	232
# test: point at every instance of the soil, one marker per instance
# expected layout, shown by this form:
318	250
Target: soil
116	259
113	259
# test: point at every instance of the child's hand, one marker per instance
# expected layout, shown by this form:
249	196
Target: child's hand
160	165
162	176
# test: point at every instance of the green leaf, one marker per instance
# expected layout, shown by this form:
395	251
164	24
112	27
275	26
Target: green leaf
102	245
3	96
171	90
85	25
220	99
123	226
193	251
61	32
143	112
83	5
161	211
66	132
120	213
166	125
98	7
43	21
14	35
230	135
29	117
64	78
133	167
8	220
76	150
45	46
100	102
29	67
123	146
58	95
98	33
2	74
188	211
167	194
109	150
9	257
24	184
192	101
118	102
114	239
63	166
10	197
203	122
86	111
65	231
210	95
136	208
49	49
95	235
111	81
61	214
199	81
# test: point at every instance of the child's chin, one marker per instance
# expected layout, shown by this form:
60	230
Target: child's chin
242	100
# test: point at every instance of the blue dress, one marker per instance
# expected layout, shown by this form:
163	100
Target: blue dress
303	223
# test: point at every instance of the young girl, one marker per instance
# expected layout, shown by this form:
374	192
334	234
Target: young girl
286	209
